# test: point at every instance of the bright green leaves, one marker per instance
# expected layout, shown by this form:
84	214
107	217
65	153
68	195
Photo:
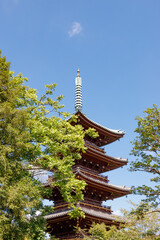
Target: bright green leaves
147	143
34	131
76	212
136	224
22	196
92	133
62	144
146	147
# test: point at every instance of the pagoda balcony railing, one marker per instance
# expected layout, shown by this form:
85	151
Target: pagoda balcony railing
84	169
59	203
84	204
91	206
60	207
96	203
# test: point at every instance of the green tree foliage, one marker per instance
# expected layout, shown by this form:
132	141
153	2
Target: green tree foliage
136	227
20	194
33	132
146	149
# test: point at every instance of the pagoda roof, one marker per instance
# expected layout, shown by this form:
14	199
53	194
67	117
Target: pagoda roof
113	161
98	180
57	214
112	135
96	214
102	183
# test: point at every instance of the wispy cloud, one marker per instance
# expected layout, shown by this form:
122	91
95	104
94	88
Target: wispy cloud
75	29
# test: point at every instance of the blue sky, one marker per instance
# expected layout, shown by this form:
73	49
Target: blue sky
116	45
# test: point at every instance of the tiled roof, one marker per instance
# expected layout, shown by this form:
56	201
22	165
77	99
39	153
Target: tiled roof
95	179
100	180
108	129
118	160
119	132
91	212
57	214
98	214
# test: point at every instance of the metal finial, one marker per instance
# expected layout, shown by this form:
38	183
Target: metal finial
78	92
78	73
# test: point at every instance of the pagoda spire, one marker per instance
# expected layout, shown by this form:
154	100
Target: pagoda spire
78	92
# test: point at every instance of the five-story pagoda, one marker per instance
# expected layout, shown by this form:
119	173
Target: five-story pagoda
93	162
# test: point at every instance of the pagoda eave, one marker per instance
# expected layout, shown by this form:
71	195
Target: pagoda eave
99	185
107	135
97	182
112	162
98	215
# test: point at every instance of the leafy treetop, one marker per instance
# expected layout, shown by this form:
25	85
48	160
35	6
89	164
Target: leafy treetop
146	149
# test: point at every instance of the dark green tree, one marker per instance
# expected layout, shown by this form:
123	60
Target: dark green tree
20	193
33	132
146	149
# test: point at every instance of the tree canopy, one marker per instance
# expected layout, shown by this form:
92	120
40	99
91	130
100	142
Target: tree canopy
146	149
134	227
33	132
